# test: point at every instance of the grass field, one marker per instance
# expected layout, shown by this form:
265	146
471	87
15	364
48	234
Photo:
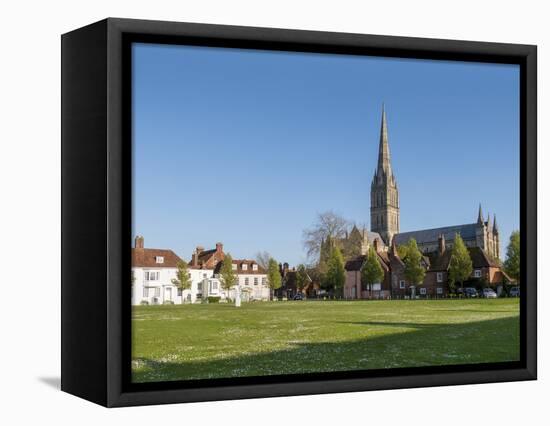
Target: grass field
175	342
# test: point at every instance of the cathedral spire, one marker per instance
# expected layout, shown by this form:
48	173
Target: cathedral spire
495	227
384	208
480	219
384	163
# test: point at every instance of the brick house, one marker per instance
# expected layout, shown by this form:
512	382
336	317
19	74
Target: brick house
354	288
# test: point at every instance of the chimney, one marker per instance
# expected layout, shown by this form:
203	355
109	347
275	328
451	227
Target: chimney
375	245
219	247
441	241
393	250
198	251
139	242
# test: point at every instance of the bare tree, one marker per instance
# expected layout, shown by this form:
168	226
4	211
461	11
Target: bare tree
328	224
262	257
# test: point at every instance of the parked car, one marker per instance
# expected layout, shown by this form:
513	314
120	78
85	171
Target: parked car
489	293
299	296
470	292
514	292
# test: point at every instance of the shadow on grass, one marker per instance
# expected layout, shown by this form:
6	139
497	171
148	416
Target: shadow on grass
477	311
495	340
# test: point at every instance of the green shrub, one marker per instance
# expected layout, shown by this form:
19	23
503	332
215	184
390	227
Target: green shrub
168	302
213	299
144	302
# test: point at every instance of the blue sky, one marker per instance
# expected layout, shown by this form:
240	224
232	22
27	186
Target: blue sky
246	147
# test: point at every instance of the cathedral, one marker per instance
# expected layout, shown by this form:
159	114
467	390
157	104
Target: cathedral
480	237
384	218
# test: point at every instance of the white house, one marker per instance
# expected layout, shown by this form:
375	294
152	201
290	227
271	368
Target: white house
251	279
152	273
154	269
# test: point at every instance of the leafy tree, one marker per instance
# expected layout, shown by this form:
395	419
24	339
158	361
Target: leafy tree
302	277
274	278
228	277
329	226
414	271
182	280
335	276
511	264
402	251
371	271
460	265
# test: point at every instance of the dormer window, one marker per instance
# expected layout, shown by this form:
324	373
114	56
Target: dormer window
234	266
244	266
159	259
254	267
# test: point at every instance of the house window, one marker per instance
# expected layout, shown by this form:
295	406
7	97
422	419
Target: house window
402	284
159	259
180	292
264	280
246	281
199	286
440	277
422	291
255	281
152	275
145	291
439	290
244	266
204	275
477	273
157	291
254	267
234	266
214	285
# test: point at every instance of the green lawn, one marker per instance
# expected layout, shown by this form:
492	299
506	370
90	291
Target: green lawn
218	340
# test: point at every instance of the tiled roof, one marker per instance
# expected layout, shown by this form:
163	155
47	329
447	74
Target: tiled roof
480	259
356	263
371	236
146	258
467	232
240	270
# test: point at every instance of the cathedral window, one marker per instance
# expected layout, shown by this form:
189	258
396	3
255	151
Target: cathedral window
477	273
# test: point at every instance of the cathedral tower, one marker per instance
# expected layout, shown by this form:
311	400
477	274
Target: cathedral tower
384	196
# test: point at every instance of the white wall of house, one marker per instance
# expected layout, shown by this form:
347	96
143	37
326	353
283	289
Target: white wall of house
253	287
154	286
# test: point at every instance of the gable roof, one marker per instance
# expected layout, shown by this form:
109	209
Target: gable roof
146	258
356	263
480	259
467	232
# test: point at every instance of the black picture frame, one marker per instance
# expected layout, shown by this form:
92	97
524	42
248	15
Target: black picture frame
96	211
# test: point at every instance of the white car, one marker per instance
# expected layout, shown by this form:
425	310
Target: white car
489	293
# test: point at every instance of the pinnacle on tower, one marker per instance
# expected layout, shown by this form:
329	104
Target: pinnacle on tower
480	219
495	227
384	164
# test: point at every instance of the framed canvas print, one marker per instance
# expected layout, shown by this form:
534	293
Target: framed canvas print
254	212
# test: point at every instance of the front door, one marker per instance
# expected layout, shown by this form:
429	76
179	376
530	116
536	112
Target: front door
168	293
